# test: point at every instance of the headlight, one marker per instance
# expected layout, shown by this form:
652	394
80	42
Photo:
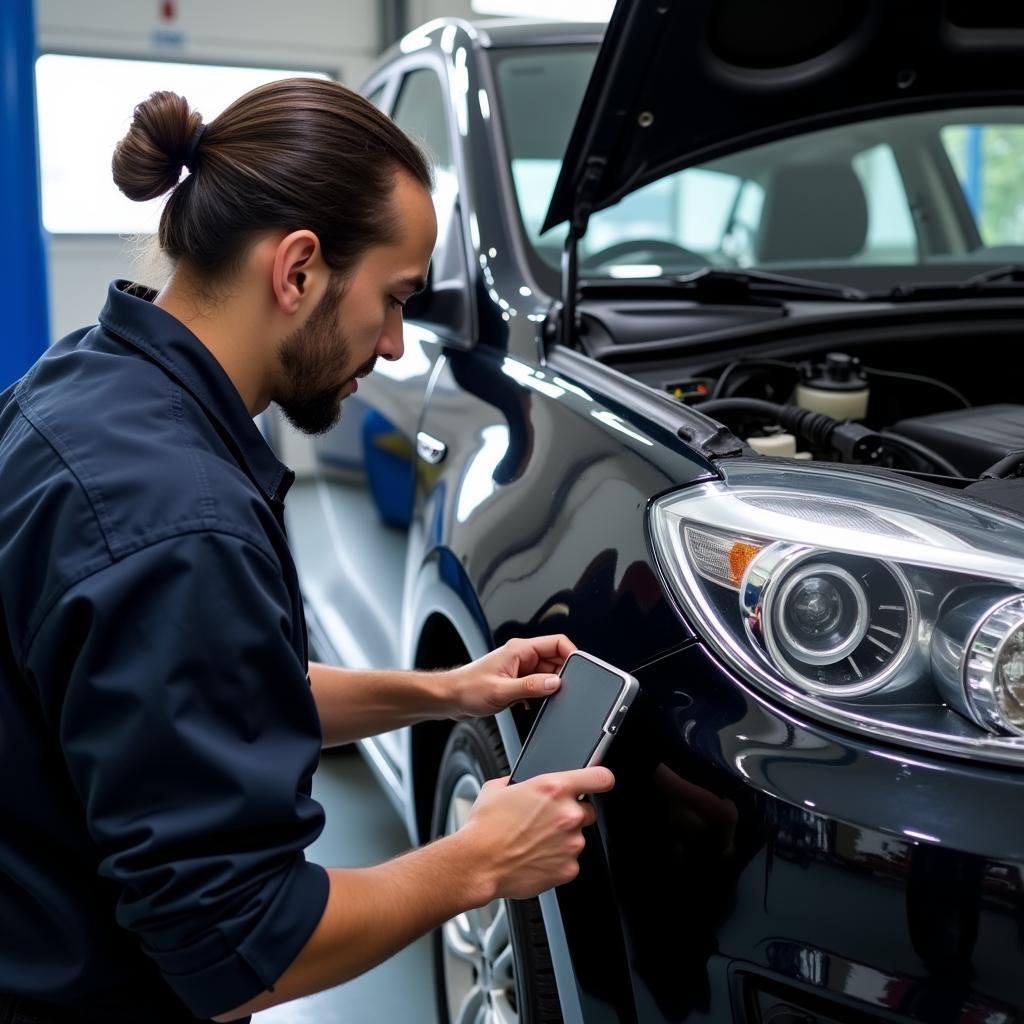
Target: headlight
871	602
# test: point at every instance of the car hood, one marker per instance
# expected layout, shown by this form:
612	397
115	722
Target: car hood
677	82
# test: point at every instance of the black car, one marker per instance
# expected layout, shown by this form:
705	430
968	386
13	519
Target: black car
718	373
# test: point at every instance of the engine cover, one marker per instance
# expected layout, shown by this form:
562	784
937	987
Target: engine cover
972	439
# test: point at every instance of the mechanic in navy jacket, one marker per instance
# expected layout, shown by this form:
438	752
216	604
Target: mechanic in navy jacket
158	729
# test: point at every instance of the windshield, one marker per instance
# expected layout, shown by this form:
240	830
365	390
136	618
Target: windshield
934	187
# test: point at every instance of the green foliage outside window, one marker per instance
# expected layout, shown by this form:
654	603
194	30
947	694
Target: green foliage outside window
1000	214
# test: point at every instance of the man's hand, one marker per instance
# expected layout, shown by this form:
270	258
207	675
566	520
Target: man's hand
520	670
528	837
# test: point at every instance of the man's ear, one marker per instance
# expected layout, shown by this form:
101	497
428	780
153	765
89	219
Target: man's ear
297	268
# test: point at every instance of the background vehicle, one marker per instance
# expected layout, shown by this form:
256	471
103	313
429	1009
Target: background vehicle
814	813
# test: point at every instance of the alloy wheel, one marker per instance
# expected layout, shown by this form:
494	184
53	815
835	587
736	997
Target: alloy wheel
479	961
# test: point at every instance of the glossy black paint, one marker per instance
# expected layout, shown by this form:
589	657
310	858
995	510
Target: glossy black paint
748	849
746	861
543	498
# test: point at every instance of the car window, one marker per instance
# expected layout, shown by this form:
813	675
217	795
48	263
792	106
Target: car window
832	198
988	159
421	112
891	237
377	96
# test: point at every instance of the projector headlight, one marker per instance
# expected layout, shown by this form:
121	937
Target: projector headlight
870	602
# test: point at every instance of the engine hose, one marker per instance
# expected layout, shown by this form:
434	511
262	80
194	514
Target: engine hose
813	427
823	432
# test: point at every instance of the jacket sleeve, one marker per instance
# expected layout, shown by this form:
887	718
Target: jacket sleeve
191	736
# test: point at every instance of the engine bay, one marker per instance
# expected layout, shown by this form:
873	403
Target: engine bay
834	408
938	408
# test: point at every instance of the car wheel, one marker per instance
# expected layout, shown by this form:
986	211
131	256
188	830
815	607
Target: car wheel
491	966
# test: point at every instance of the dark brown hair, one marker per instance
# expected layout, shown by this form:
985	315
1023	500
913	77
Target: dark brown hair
297	153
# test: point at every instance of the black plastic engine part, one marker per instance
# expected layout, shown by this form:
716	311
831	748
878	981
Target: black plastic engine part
852	441
972	439
1007	468
1008	494
839	372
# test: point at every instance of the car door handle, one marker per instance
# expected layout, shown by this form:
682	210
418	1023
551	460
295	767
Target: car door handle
429	449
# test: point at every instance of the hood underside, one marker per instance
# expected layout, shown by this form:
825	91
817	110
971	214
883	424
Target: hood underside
678	82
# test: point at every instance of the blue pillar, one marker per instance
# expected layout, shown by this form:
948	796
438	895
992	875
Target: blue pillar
972	184
24	314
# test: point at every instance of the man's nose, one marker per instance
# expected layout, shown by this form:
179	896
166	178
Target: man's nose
390	345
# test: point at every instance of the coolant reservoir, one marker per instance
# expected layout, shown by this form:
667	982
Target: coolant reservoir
837	387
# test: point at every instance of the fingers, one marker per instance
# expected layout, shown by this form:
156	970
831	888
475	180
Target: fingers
589	815
541	684
596	779
546	652
499	783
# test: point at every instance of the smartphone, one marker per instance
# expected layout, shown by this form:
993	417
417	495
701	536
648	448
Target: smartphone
577	722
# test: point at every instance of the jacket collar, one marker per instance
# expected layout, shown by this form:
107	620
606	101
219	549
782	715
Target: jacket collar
130	314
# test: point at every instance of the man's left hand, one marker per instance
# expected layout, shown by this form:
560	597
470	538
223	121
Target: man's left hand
518	671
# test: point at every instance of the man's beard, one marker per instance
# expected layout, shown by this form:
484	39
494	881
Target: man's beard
313	357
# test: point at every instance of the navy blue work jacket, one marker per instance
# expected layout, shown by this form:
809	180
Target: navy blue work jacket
158	733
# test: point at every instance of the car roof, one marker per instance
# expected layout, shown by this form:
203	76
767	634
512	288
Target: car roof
496	33
501	32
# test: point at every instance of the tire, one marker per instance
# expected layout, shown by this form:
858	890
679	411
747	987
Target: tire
516	983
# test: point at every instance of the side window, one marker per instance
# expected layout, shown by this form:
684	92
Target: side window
377	96
421	112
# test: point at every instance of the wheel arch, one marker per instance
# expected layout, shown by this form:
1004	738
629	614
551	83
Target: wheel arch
439	646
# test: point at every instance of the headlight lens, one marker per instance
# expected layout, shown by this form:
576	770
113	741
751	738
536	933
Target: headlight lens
872	602
839	626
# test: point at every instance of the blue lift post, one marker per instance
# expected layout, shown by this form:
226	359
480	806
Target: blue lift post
25	312
975	160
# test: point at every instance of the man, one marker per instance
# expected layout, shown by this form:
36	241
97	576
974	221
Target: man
159	722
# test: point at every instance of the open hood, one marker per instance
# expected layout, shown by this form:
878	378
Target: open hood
678	82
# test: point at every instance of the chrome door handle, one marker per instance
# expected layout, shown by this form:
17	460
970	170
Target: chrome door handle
429	449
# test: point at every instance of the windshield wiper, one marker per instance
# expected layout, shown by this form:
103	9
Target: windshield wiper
1006	280
761	282
732	287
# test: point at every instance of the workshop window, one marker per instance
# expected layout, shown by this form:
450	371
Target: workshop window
85	108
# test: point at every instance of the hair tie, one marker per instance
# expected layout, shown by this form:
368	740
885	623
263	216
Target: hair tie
193	146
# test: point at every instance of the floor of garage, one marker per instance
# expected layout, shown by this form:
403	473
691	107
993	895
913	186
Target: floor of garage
362	828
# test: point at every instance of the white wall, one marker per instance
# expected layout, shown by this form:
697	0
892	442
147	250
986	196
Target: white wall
326	35
421	11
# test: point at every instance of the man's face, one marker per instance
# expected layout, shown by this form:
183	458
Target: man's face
357	320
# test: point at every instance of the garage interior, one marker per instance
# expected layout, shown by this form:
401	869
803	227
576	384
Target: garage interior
711	370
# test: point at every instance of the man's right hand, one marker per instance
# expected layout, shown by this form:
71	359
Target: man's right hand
530	835
518	841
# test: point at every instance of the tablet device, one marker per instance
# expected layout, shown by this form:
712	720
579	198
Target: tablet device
577	722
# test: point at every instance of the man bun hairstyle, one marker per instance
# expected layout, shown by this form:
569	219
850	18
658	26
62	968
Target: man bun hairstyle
148	160
292	154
